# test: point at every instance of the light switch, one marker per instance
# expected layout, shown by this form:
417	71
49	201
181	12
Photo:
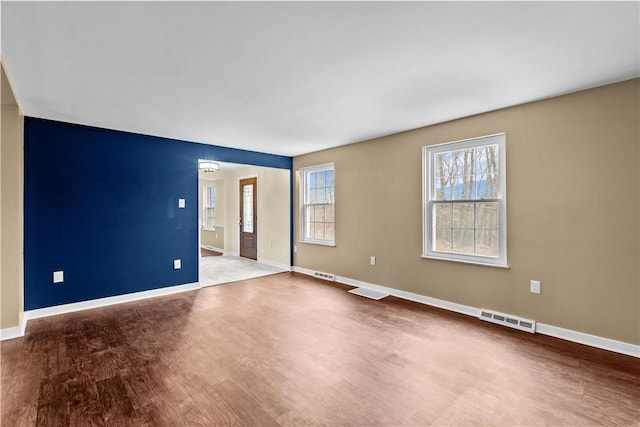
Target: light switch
181	203
58	276
177	264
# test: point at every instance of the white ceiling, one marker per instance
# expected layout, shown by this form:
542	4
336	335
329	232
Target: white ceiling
295	77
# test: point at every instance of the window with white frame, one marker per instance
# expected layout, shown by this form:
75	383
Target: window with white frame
317	199
465	204
209	214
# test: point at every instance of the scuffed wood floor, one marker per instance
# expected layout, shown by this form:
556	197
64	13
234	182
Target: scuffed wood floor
291	350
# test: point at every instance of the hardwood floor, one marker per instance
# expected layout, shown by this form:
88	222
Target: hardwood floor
206	252
292	350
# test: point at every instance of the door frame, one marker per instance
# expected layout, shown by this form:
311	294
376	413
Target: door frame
256	207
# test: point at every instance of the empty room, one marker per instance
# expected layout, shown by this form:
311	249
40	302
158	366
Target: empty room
320	213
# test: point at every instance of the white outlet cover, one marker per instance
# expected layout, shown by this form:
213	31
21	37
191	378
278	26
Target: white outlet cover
182	203
58	276
535	287
177	264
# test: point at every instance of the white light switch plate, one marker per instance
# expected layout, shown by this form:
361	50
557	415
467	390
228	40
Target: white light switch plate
58	276
181	203
177	264
372	261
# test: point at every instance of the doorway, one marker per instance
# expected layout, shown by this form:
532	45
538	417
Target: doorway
248	218
247	250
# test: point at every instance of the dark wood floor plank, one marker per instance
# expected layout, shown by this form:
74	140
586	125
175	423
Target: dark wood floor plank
289	350
114	399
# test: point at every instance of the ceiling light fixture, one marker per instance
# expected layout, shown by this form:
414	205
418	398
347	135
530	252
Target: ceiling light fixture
209	166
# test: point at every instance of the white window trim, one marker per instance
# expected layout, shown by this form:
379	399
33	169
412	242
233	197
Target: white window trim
205	206
303	184
427	209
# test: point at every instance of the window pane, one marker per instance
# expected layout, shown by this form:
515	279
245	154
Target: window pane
309	211
321	176
456	188
308	232
443	239
440	187
487	215
330	196
320	196
443	215
466	183
444	171
487	243
247	208
318	215
329	213
330	231
313	179
212	196
329	179
463	241
319	230
463	215
489	187
313	197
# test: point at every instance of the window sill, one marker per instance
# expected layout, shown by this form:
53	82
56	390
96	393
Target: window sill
208	229
464	261
311	242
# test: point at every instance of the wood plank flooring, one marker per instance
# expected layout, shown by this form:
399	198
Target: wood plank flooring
288	349
206	252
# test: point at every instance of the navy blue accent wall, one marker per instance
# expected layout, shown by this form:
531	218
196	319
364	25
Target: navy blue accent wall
102	206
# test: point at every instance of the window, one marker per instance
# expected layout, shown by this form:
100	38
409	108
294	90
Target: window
209	208
318	205
465	206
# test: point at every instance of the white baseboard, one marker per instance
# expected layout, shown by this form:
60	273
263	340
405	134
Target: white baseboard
212	248
286	267
11	333
590	340
103	302
541	328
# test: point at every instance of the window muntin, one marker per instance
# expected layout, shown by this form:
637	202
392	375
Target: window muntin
465	201
318	204
209	213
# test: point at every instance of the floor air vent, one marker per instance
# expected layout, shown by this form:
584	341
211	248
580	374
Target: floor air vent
325	276
508	320
368	293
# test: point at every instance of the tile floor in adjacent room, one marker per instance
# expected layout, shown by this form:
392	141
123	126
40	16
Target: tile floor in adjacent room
215	270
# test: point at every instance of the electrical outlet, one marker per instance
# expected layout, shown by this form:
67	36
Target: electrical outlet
58	276
182	203
295	248
177	264
372	261
535	287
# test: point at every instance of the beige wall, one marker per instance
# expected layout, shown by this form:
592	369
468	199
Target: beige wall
11	219
573	210
213	238
273	212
